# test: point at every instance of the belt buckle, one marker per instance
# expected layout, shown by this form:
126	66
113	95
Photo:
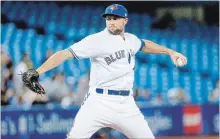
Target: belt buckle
105	91
119	92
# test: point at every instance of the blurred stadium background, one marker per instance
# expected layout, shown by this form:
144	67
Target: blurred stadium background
177	102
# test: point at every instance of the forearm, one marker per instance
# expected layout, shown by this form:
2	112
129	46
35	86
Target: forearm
153	48
55	60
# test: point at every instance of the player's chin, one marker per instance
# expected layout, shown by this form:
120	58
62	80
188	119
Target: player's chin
112	29
116	32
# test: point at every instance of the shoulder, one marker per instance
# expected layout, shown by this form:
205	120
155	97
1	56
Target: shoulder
95	36
131	36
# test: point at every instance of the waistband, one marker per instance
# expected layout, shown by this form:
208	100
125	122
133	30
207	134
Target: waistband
114	92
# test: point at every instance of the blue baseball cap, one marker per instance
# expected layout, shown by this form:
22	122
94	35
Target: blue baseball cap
116	9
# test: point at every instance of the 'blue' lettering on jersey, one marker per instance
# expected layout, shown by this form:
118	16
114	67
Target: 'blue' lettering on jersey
113	57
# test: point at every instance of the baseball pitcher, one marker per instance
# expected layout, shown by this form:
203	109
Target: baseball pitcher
109	101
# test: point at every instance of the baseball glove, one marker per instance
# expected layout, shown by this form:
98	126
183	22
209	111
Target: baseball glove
30	80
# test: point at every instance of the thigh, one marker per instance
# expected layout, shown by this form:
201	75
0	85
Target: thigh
83	127
132	123
135	127
86	122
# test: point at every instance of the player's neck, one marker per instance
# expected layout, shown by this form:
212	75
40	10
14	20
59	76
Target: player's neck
122	34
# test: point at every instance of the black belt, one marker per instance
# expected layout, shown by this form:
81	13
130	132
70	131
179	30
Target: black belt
114	92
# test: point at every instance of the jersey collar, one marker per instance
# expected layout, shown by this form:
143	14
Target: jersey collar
106	31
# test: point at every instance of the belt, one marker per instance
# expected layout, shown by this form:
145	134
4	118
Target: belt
114	92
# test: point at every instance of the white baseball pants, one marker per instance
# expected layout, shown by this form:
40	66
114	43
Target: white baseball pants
103	110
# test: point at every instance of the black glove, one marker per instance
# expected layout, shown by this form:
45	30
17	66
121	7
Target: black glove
30	79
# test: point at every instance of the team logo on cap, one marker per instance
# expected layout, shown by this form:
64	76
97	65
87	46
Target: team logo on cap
113	7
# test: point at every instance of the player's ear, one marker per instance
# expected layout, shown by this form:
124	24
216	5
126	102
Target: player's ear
125	21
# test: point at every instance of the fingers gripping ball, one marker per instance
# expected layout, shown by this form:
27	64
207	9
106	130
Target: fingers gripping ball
179	62
30	80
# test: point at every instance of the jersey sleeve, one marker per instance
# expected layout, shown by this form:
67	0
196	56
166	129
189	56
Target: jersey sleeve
86	48
137	43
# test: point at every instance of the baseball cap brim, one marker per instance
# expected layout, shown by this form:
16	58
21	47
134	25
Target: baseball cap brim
104	15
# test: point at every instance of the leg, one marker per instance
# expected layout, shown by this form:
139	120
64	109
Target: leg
131	121
92	116
85	123
84	126
135	127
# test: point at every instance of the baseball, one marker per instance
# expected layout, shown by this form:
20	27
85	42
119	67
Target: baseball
179	62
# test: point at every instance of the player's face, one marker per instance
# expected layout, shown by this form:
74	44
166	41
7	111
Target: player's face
115	24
